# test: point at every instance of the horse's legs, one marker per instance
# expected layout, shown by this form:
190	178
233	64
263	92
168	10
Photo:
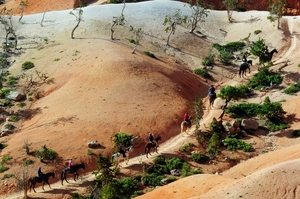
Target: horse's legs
75	175
48	184
33	185
43	185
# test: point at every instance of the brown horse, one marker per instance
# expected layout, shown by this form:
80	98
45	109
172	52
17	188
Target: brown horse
151	145
267	57
212	98
186	125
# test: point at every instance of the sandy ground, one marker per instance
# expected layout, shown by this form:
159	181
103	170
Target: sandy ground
100	88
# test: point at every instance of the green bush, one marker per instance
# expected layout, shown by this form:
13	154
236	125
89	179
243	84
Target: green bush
236	144
46	153
294	88
14	118
203	73
199	157
208	60
225	57
174	163
214	144
160	160
277	125
137	193
149	54
27	65
8	175
3	168
257	32
185	171
79	196
6	158
126	186
158	169
122	139
12	80
196	171
4	92
153	179
27	162
296	133
186	147
264	78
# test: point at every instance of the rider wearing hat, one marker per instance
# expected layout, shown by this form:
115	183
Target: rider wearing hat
150	138
39	173
211	90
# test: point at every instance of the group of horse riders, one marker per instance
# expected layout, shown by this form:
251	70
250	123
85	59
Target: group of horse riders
39	172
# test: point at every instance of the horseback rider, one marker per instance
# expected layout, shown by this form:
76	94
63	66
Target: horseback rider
70	163
211	90
39	173
150	138
244	59
186	118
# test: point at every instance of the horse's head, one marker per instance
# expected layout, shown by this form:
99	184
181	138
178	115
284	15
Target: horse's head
158	138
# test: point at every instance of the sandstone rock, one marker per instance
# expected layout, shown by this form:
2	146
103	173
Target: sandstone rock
249	124
16	96
93	144
175	172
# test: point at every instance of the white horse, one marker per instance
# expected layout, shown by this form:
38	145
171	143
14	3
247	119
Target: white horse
119	156
186	125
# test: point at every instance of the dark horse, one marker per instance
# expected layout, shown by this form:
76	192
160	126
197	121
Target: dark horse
151	145
212	98
69	170
43	178
243	69
267	57
118	156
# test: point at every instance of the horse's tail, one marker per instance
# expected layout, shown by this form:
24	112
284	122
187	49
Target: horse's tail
62	175
29	182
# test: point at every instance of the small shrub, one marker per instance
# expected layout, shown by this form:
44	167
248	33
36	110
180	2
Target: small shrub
294	88
6	103
185	171
27	65
12	80
199	157
158	169
149	54
296	133
196	171
208	60
4	92
153	179
90	152
21	104
198	32
3	168
214	145
257	32
131	41
236	144
56	59
46	153
9	126
203	73
14	118
27	162
137	193
160	160
186	147
174	163
8	175
6	158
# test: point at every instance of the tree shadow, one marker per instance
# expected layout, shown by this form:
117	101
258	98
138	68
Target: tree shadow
29	113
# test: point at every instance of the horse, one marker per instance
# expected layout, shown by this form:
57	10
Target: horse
267	57
243	69
151	145
42	178
118	156
186	125
212	98
70	170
